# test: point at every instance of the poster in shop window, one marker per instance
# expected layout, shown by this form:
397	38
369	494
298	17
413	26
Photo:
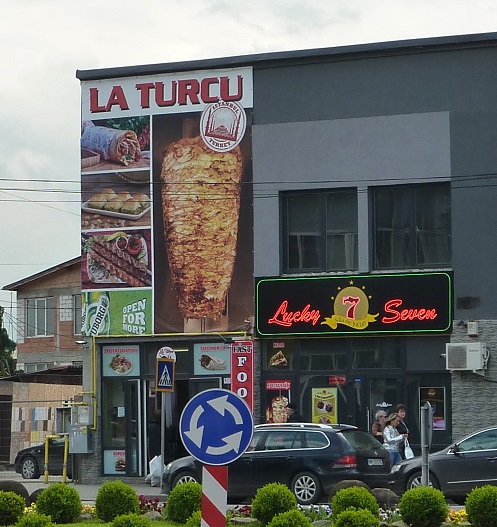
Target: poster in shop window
436	397
324	405
277	398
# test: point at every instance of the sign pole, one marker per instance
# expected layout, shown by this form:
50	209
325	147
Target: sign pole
214	495
162	434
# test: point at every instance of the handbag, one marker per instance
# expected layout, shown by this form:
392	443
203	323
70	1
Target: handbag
408	453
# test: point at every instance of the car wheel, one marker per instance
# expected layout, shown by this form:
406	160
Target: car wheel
183	477
415	481
459	500
306	487
29	468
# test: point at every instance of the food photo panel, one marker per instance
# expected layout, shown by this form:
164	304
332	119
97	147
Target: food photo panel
107	144
115	259
111	200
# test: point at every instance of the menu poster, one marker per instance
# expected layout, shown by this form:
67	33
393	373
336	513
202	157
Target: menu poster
120	361
211	359
324	405
436	397
114	462
277	397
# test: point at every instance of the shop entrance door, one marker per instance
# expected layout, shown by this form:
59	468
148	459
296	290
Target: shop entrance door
200	384
371	394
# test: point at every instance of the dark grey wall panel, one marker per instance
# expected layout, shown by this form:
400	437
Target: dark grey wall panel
362	87
340	153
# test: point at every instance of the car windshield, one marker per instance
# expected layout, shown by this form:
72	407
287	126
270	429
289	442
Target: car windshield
360	440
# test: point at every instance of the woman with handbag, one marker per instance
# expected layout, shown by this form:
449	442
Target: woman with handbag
402	428
392	439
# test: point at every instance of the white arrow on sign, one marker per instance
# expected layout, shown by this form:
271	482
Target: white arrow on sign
222	405
232	443
196	433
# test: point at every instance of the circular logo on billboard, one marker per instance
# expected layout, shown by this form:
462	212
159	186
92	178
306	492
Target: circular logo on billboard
222	125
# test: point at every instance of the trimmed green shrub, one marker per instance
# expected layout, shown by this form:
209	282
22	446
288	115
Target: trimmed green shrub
356	518
481	506
292	518
357	497
272	499
131	520
194	520
184	500
115	498
10	485
11	507
33	519
423	507
60	502
346	484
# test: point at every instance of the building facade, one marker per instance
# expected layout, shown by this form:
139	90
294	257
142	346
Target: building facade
49	358
362	267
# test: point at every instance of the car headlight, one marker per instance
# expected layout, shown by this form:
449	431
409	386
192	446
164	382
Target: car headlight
395	468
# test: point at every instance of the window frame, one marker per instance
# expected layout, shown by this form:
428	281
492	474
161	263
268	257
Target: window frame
77	314
324	230
38	321
411	230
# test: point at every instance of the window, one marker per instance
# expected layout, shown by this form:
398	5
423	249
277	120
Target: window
320	231
77	314
486	440
39	317
412	226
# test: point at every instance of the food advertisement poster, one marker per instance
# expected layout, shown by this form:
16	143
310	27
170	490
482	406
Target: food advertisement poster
324	405
166	206
436	397
280	356
117	312
211	358
114	462
120	361
277	398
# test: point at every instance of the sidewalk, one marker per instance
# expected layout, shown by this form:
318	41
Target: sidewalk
88	493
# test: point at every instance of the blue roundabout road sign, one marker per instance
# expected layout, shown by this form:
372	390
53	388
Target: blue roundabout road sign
216	426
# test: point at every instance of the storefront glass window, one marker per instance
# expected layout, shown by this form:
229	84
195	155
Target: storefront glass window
376	353
114	415
324	355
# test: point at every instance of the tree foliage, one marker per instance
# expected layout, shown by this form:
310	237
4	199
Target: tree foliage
7	347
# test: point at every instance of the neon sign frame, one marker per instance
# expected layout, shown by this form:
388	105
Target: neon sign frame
396	303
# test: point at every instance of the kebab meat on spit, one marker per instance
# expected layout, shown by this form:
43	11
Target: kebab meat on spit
200	207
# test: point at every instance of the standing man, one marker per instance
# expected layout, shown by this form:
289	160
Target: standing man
293	415
402	427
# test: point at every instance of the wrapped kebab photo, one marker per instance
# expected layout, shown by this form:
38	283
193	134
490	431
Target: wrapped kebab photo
120	146
212	363
200	207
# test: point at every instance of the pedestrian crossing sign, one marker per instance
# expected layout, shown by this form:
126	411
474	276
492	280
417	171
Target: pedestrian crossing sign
165	375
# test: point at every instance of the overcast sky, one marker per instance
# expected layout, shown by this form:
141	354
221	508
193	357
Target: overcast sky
44	42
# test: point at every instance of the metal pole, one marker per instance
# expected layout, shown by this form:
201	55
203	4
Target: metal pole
425	443
162	435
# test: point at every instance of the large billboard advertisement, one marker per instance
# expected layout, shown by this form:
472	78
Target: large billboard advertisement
166	212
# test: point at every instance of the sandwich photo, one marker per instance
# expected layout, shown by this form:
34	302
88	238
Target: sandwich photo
278	360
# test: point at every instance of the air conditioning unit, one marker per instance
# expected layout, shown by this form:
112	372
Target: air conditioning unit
466	356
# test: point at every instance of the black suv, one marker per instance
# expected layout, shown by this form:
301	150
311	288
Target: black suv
309	458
